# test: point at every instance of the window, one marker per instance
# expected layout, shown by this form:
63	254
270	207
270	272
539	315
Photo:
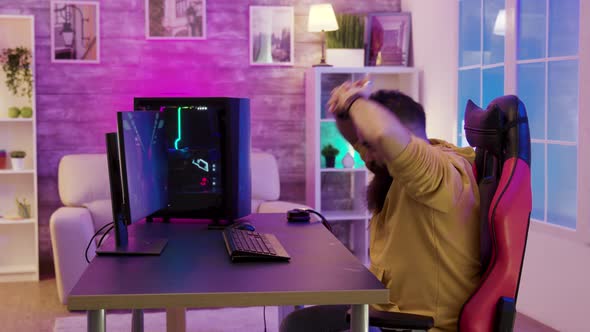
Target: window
547	82
481	54
545	75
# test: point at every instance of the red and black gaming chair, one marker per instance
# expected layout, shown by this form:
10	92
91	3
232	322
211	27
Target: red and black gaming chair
500	136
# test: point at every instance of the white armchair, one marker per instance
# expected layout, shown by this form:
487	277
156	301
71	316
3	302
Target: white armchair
84	191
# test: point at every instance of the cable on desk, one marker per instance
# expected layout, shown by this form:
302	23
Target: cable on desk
93	236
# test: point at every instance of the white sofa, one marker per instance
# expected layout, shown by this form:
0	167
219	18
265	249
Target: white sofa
84	191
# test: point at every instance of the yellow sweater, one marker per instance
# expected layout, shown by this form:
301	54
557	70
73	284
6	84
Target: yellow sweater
424	243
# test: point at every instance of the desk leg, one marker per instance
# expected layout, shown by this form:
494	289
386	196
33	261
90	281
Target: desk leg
96	320
137	320
176	320
359	318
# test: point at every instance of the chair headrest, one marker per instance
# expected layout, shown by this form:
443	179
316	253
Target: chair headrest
501	129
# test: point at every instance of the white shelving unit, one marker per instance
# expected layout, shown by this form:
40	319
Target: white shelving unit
19	243
339	193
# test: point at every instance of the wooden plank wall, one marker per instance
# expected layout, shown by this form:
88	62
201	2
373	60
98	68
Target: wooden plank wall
76	103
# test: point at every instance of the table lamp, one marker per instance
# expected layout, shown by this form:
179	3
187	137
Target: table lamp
322	19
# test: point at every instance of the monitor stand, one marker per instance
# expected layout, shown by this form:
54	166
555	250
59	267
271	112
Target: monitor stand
124	245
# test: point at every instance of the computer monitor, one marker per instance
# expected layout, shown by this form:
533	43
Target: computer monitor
208	156
138	175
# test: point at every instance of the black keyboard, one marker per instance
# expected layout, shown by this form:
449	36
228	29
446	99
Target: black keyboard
243	245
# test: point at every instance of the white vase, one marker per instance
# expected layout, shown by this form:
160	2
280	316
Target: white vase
348	161
345	57
17	163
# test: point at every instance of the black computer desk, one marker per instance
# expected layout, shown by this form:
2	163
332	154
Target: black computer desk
195	271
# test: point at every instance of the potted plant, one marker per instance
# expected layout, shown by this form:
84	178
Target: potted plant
17	158
345	46
330	152
16	63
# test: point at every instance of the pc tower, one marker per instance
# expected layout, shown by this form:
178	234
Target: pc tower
208	156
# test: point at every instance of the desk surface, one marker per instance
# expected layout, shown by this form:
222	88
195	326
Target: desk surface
195	270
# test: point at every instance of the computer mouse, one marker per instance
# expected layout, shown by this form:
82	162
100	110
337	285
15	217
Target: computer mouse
246	226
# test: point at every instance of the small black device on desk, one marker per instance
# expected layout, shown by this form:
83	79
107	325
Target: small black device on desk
245	245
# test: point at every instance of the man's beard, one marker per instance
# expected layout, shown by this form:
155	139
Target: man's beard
378	188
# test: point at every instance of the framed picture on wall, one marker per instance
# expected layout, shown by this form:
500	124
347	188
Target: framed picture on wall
75	31
271	35
387	39
175	19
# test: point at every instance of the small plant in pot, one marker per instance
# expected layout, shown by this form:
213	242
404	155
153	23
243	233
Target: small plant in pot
330	152
17	158
345	46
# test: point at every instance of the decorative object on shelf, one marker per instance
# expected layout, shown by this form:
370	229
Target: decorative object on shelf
13	112
321	19
272	35
330	152
345	46
348	160
2	159
75	31
178	19
17	159
388	39
23	208
16	63
26	112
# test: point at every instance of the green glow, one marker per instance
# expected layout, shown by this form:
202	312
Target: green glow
329	134
179	130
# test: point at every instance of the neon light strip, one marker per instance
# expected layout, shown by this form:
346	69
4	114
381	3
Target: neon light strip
179	130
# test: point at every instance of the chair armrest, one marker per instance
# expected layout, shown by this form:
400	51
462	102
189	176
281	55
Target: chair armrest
397	320
71	228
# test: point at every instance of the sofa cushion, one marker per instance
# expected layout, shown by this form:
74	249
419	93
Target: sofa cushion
101	212
83	178
265	177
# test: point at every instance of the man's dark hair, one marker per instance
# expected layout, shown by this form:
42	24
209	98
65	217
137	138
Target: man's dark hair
407	110
411	114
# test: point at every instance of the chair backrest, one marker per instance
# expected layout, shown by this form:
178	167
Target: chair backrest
500	136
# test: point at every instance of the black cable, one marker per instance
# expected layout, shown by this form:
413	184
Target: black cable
264	316
92	238
324	221
103	235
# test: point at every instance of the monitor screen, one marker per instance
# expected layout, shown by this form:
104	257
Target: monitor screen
144	166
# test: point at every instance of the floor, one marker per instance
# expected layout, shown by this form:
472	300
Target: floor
33	306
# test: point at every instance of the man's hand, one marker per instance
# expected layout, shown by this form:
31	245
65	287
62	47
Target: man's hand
341	96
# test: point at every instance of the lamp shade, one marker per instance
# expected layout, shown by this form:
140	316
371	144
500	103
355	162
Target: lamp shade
321	18
500	24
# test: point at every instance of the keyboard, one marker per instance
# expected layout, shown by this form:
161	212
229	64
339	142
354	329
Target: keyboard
243	245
